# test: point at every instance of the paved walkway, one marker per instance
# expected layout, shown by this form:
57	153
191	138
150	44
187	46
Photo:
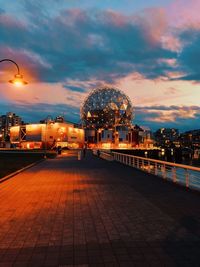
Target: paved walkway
65	212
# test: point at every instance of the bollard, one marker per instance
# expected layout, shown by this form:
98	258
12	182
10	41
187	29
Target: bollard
79	155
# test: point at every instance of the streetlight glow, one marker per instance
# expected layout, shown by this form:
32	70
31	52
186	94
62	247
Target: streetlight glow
18	78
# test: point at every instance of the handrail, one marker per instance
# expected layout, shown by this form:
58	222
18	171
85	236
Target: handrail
104	155
185	175
162	162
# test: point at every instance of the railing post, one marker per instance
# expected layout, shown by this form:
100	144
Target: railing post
138	163
161	168
164	171
187	178
174	174
142	164
156	168
149	167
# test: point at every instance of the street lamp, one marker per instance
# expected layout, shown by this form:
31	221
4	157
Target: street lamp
18	78
49	120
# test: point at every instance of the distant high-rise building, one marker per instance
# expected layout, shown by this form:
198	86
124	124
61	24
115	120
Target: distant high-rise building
190	139
7	121
166	136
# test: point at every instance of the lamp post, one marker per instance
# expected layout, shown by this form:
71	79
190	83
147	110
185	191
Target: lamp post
49	120
18	78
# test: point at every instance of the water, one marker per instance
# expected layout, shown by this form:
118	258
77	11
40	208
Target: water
182	160
191	162
177	156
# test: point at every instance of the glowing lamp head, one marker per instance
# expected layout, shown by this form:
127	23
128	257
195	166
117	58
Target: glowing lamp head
18	80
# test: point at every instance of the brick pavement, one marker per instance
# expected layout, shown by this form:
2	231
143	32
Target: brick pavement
65	212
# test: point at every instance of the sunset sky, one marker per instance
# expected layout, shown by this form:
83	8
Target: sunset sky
65	48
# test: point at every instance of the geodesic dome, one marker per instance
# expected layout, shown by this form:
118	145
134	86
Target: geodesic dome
106	107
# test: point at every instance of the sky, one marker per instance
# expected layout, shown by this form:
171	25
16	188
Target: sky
148	49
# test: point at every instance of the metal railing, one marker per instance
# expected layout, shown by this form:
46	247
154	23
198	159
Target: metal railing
185	175
102	154
106	156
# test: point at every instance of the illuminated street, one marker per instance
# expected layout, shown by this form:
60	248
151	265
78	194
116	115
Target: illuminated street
91	212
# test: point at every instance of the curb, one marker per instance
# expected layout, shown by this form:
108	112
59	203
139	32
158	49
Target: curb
20	170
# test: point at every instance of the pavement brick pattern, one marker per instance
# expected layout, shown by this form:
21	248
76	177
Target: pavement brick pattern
90	212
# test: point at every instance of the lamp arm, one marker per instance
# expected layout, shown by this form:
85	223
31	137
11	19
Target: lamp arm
10	60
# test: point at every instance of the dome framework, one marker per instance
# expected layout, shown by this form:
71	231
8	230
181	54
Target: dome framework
106	107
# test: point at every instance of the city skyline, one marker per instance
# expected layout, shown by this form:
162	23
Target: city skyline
149	51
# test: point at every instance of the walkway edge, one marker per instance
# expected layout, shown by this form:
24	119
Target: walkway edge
20	170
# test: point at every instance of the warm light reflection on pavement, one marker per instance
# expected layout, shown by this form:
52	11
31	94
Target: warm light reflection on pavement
66	211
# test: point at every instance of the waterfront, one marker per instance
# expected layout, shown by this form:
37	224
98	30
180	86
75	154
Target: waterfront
165	155
184	175
191	162
91	212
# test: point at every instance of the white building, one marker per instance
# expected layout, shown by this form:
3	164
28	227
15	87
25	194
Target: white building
49	135
120	137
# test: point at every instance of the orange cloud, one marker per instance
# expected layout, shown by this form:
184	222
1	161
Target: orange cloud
154	23
171	115
184	13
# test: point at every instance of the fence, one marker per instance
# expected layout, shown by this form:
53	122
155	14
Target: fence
103	155
188	176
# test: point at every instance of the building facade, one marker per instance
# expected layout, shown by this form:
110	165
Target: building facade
190	139
167	137
121	137
47	135
107	115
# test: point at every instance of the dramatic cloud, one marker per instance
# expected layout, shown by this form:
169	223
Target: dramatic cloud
101	44
39	111
176	116
66	49
190	54
81	44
